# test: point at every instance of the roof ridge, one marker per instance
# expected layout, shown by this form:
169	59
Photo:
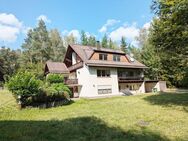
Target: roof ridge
95	48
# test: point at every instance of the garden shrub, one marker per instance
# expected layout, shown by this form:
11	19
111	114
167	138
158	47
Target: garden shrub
35	93
55	78
58	90
24	84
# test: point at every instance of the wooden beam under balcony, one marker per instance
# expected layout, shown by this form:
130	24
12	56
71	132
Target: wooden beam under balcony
131	78
75	66
71	81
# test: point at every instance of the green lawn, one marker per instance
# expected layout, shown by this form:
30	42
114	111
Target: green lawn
146	117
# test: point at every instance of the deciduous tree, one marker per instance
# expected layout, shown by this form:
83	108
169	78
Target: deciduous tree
169	35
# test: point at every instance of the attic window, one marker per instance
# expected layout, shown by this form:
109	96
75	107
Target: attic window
102	56
116	58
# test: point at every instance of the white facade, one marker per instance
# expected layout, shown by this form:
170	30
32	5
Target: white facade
73	58
90	83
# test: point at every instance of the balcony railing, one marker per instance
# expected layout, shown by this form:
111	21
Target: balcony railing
71	81
131	78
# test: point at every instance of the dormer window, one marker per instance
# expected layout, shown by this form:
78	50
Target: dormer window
116	58
102	56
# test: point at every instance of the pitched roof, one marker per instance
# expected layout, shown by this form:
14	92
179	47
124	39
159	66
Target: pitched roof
56	67
86	52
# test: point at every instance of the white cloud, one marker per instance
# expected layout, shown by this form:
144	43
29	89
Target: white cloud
10	27
75	33
8	33
44	18
147	25
129	32
109	23
9	20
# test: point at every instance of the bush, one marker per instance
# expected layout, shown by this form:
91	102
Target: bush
55	78
29	88
58	90
24	84
1	84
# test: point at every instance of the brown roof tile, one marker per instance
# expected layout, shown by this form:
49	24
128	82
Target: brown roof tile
56	67
85	53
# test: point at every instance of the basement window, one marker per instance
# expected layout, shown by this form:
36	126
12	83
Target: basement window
104	89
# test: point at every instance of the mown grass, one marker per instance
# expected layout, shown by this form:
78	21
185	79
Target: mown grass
139	118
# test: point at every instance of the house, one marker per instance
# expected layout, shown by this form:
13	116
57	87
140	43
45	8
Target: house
95	71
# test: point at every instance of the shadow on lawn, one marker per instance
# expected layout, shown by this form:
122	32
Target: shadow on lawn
169	99
75	129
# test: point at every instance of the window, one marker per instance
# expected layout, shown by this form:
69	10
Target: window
103	73
102	56
116	58
104	89
131	73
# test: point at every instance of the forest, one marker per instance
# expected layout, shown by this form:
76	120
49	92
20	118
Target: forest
163	47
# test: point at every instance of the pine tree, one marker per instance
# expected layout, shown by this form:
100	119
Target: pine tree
57	45
84	39
37	44
123	45
104	41
92	41
45	48
111	44
146	53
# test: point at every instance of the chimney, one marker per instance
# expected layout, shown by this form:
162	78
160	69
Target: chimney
98	45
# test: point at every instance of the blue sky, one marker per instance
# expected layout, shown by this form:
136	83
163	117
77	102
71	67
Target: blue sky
96	17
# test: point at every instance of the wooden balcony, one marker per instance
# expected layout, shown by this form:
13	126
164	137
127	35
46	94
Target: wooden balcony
75	66
71	81
130	78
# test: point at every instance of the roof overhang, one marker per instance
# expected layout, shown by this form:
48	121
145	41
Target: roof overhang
131	81
116	66
104	51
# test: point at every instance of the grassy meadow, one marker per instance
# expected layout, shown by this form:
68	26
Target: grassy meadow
148	117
